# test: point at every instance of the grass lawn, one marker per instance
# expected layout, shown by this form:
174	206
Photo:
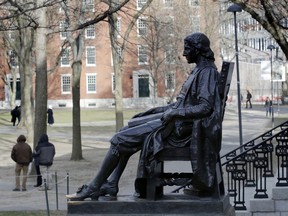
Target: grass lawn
63	116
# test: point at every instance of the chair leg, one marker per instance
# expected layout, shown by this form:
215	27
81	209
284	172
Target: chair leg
219	184
155	191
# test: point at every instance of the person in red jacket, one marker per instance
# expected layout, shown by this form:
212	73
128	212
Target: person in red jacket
22	154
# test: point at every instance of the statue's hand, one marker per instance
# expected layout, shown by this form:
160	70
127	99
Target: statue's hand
169	114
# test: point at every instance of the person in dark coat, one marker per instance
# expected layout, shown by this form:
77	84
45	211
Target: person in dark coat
43	158
198	108
248	99
268	106
16	115
22	154
50	117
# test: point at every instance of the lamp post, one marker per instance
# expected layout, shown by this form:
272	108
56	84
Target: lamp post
271	47
234	9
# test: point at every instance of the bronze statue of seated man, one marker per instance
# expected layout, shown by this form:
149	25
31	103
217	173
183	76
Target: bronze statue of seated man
196	117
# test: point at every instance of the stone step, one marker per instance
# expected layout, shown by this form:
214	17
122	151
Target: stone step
168	205
275	204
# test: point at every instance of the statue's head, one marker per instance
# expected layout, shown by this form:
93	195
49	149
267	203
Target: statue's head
197	44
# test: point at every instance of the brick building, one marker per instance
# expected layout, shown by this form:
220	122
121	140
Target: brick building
145	80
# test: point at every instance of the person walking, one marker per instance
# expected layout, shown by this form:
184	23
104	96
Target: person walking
268	106
50	115
22	154
16	115
43	158
248	99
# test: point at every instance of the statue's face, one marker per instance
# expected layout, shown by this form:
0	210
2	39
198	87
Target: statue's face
190	53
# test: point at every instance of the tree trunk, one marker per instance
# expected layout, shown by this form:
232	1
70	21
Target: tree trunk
26	78
117	72
40	124
76	142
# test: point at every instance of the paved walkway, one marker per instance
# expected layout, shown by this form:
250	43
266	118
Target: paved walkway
254	122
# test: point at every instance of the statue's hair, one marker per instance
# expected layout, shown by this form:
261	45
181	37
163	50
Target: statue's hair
202	43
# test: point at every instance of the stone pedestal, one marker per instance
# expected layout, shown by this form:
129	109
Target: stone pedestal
168	205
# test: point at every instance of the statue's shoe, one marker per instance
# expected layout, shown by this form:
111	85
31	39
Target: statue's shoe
109	188
84	192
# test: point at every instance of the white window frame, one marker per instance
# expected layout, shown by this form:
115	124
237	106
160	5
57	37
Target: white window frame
194	3
170	81
89	56
119	52
63	25
65	56
90	32
195	23
118	26
170	55
168	3
170	25
141	52
113	84
140	4
90	84
142	26
64	85
15	62
88	5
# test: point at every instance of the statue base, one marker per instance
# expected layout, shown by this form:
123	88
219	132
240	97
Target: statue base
176	204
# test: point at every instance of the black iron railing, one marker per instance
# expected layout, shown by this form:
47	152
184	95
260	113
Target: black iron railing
251	164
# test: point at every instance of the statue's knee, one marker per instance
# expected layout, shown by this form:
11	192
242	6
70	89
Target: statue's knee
127	151
115	151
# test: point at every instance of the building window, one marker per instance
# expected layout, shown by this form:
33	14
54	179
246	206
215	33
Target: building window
12	35
170	55
118	26
195	23
91	83
63	32
169	26
142	55
61	9
170	81
142	26
66	84
168	3
90	32
119	51
88	5
13	59
116	3
113	82
140	3
90	56
65	58
194	3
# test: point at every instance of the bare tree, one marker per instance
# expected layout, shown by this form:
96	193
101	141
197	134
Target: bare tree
40	125
163	38
76	18
22	25
118	53
9	65
272	15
